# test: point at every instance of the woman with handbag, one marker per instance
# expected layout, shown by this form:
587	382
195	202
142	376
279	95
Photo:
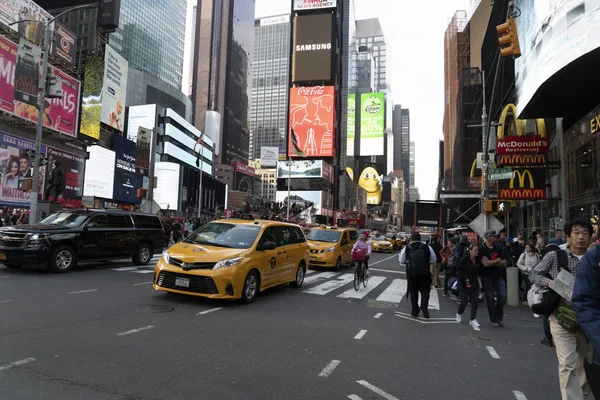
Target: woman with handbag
361	251
468	273
527	260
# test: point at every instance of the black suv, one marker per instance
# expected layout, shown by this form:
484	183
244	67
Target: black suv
65	237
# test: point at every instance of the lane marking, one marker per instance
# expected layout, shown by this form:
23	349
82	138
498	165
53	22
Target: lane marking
5	301
143	271
519	395
492	352
124	269
145	328
375	389
16	363
374	281
143	283
378	315
360	334
209	311
329	368
84	291
380	261
319	277
395	292
331	285
430	319
354	397
387	270
5	276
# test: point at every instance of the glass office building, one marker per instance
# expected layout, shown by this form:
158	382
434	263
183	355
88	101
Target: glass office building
151	36
268	115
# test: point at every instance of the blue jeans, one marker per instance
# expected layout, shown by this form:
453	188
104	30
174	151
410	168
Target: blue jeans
495	287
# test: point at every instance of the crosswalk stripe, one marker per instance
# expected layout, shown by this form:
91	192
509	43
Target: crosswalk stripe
434	300
319	277
310	271
395	292
125	269
143	271
374	281
331	285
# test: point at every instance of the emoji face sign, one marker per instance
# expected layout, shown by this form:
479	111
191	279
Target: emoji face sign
370	180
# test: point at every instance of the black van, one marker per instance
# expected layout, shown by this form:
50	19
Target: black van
68	236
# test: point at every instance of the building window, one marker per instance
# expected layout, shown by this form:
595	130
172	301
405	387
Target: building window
583	176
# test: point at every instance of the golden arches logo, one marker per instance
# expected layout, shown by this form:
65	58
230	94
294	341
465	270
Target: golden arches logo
531	194
522	159
518	125
521	175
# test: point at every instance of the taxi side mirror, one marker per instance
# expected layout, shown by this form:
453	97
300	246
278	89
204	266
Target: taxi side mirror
269	246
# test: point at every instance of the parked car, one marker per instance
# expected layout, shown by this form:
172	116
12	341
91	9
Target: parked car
66	237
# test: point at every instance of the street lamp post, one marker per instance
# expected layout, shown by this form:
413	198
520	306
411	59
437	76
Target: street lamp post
47	46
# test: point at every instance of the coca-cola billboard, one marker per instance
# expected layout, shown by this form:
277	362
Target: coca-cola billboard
312	116
314	48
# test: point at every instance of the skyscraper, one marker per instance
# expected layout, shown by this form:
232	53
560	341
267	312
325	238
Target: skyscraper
222	55
192	43
412	164
268	117
406	146
370	35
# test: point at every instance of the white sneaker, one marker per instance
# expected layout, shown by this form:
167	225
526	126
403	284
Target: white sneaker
475	324
458	318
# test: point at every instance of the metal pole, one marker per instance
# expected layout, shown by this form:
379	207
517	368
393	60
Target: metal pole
485	134
200	185
289	188
35	187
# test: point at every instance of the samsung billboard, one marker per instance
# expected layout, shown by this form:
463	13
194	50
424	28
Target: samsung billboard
314	48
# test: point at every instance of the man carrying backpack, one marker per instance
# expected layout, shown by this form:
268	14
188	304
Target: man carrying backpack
418	258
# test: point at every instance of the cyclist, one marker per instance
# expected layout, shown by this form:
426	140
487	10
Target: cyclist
364	246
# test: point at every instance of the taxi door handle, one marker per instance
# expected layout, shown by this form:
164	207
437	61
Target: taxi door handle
281	252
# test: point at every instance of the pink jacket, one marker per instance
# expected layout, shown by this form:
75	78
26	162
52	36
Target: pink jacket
360	244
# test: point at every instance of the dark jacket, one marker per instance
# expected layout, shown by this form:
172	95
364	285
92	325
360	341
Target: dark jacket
586	298
468	270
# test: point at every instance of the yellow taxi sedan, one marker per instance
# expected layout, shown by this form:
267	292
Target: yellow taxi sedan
381	244
234	259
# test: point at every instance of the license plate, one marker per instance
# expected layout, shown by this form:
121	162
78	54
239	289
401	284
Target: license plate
2	256
182	282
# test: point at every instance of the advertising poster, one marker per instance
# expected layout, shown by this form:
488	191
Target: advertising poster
313	49
16	165
114	90
100	173
300	169
300	5
142	156
127	181
372	124
64	46
74	166
372	182
21	10
140	116
303	198
27	72
59	114
166	193
92	96
312	115
269	156
351	124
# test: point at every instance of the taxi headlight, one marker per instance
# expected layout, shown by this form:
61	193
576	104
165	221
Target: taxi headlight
165	256
232	262
329	250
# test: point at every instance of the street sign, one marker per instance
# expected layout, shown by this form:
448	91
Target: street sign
501	173
478	224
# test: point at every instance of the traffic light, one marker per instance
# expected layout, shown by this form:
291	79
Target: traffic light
497	206
507	36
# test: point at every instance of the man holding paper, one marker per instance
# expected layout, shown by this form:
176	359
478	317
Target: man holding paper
570	341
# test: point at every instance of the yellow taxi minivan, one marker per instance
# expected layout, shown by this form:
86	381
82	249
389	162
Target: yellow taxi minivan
234	259
331	246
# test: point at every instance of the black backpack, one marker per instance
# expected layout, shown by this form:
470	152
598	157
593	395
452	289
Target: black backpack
417	259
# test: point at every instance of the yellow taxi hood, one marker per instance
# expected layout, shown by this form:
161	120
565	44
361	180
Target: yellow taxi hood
320	245
189	252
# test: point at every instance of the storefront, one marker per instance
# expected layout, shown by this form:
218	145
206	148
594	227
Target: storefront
583	163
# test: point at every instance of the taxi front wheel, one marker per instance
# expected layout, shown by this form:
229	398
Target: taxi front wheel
300	272
251	286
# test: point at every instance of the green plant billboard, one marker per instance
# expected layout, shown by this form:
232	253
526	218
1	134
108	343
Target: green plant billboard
372	123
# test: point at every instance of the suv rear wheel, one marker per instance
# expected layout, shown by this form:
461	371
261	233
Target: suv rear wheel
63	259
142	255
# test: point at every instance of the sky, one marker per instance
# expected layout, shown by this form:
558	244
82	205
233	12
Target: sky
414	32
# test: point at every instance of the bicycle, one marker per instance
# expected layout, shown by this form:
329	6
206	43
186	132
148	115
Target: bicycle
360	274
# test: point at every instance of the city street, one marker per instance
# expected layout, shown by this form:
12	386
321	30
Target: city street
102	332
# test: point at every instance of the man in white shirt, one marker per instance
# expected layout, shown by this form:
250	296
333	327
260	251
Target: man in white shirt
418	258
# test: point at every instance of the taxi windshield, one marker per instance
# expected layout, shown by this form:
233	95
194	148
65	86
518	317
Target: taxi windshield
225	235
381	238
324	236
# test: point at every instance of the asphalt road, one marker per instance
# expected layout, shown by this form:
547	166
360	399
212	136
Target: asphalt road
102	332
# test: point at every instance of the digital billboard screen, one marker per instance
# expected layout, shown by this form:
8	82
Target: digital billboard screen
312	59
372	124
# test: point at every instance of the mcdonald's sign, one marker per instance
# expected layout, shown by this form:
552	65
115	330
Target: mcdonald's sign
521	159
527	184
512	134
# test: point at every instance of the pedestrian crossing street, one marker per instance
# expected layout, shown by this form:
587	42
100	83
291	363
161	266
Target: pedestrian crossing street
379	288
336	284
